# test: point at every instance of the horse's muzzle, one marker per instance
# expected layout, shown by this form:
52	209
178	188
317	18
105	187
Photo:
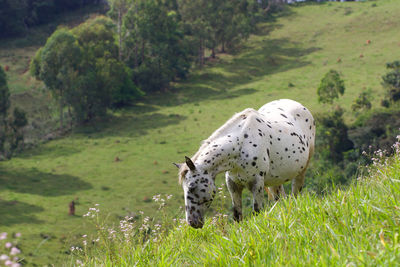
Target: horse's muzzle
196	223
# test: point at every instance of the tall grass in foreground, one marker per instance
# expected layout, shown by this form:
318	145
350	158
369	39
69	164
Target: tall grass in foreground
356	226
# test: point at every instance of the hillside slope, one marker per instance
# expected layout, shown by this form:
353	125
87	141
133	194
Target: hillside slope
286	59
351	227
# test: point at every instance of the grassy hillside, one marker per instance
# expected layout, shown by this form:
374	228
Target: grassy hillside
348	227
298	48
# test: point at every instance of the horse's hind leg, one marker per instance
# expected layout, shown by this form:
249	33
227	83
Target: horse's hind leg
258	194
276	192
298	183
236	195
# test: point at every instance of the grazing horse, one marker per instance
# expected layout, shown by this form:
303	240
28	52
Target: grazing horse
255	149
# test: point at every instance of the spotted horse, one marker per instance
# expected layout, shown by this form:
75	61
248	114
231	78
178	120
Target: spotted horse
255	149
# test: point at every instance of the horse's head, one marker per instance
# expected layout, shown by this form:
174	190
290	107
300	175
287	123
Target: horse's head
199	191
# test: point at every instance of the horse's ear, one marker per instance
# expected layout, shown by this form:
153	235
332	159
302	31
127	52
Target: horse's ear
190	164
177	165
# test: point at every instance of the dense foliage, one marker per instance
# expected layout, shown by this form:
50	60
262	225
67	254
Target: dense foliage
341	148
391	81
154	45
212	24
16	16
376	130
11	124
81	69
333	135
146	45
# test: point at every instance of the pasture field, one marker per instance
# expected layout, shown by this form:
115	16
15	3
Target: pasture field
285	59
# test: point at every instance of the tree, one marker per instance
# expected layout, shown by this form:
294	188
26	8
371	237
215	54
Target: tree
391	81
216	23
11	125
156	47
56	64
197	24
81	68
331	87
230	21
118	9
103	81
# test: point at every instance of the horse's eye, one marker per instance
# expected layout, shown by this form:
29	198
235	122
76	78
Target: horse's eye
191	186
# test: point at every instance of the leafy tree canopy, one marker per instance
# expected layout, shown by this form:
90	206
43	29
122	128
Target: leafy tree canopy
331	87
81	67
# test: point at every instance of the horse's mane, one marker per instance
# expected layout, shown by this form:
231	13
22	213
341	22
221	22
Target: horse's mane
221	131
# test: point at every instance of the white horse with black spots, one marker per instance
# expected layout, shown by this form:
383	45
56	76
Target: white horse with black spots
255	149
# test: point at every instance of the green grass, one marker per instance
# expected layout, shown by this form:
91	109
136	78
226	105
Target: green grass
299	48
356	226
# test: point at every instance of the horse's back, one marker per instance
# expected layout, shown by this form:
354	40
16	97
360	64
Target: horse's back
290	112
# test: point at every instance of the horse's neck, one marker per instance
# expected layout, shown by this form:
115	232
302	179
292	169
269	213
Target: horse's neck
222	147
228	128
218	155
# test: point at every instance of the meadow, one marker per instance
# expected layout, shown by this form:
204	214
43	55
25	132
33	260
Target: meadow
286	58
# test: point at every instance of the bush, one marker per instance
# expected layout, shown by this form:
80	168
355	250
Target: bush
391	81
363	101
332	135
376	130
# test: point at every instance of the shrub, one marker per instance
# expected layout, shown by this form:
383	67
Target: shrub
332	134
376	130
363	101
391	81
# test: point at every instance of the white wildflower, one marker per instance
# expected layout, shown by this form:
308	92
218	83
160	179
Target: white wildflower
4	257
3	236
15	251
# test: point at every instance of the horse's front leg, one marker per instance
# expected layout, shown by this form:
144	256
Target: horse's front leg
236	195
258	194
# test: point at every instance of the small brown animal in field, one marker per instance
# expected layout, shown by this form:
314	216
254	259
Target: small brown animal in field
71	208
6	68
